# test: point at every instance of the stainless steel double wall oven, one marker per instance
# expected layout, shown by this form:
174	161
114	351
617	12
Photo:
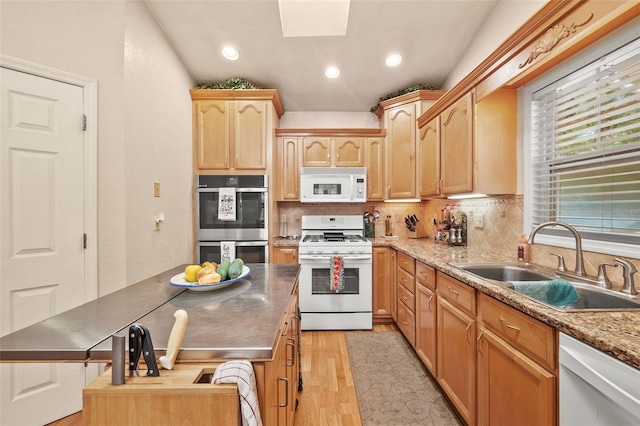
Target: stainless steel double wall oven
248	233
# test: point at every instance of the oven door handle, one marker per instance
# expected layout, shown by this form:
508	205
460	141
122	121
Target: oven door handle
328	257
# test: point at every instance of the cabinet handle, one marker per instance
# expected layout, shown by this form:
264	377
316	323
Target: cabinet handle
286	393
291	343
453	291
404	322
512	327
286	329
478	342
467	331
405	297
430	299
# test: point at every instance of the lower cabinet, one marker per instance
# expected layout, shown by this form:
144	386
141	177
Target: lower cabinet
457	357
426	316
496	365
383	277
284	254
281	374
516	381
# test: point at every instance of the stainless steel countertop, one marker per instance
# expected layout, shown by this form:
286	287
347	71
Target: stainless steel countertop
69	335
241	321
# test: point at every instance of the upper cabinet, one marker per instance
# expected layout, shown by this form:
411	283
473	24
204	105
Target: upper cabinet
233	130
470	147
456	147
327	148
374	162
400	119
333	152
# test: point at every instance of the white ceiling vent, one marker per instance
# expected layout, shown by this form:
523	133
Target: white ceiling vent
314	18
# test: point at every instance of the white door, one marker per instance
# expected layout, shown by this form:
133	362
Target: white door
42	266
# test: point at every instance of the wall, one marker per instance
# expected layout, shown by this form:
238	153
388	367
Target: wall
135	130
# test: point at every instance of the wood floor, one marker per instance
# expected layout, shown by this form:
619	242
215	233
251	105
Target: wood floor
329	396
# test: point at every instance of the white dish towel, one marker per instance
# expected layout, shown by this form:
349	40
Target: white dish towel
227	204
227	250
241	373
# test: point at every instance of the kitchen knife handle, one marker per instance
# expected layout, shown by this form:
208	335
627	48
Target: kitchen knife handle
148	353
175	339
135	348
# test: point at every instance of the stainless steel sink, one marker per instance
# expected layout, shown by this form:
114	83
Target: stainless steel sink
592	298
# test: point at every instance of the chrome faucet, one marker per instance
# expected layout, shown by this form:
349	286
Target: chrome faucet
628	270
579	260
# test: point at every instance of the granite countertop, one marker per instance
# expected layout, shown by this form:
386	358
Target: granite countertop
238	321
616	332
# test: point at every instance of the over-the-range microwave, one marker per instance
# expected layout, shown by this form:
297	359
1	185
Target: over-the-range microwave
333	184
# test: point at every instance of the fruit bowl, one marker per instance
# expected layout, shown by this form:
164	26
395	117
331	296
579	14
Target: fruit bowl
179	281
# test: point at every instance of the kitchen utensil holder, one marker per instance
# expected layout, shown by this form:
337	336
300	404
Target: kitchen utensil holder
419	231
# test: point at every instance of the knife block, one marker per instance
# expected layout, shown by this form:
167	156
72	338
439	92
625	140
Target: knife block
184	395
419	232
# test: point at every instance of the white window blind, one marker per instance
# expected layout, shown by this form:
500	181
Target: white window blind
585	148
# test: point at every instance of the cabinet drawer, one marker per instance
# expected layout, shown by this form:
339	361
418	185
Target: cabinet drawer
407	263
407	298
407	323
407	280
426	275
456	292
534	338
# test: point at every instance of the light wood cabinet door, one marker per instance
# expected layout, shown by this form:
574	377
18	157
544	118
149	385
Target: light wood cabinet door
231	135
288	173
285	254
401	152
429	159
374	162
426	332
212	134
250	121
349	152
456	361
456	144
512	389
382	282
316	152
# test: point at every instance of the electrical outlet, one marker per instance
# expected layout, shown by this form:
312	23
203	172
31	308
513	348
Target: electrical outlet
156	189
478	221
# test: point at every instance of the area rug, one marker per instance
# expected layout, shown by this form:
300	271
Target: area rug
392	384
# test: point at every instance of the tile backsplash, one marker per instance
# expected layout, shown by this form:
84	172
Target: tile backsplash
500	234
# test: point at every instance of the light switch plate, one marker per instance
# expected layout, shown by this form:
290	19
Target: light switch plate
156	189
478	221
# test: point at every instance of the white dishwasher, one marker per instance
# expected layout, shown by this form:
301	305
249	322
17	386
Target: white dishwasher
595	388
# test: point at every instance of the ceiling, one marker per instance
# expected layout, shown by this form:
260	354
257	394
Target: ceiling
431	35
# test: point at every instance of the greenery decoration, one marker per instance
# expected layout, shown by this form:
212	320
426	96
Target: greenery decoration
402	92
232	83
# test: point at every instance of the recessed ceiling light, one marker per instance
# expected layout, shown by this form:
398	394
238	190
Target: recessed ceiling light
230	53
332	72
393	60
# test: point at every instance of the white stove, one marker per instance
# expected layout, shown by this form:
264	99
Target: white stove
335	273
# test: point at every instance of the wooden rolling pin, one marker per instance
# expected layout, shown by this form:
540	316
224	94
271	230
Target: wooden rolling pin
175	339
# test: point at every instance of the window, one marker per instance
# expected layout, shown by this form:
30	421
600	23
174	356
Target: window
582	148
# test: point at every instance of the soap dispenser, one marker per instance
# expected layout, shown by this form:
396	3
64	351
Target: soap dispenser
523	249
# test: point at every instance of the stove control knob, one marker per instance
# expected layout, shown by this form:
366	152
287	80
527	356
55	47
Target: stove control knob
319	251
361	250
335	250
352	250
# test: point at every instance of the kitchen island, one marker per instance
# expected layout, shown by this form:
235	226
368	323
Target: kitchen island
253	319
